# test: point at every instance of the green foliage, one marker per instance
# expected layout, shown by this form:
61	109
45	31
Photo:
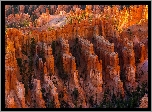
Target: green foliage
31	63
61	95
42	53
16	8
21	65
43	90
49	28
59	65
129	31
76	50
64	75
34	23
107	17
26	87
24	51
12	25
70	21
91	100
64	104
122	76
93	40
37	62
23	73
25	23
127	6
19	62
132	99
80	106
90	18
33	18
83	15
51	104
75	93
53	46
32	47
18	24
58	62
76	40
6	29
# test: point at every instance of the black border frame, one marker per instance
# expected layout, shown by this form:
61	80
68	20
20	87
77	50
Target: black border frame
3	3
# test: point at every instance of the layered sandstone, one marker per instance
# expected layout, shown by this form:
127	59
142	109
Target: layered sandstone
129	64
49	60
93	67
37	94
69	67
110	63
95	50
11	81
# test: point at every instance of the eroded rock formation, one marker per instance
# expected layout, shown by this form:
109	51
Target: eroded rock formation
72	58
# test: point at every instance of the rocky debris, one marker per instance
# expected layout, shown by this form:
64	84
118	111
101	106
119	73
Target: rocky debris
53	21
10	103
144	102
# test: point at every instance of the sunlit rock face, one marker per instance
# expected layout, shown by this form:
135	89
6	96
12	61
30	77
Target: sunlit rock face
144	102
69	56
93	67
37	94
15	91
69	67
